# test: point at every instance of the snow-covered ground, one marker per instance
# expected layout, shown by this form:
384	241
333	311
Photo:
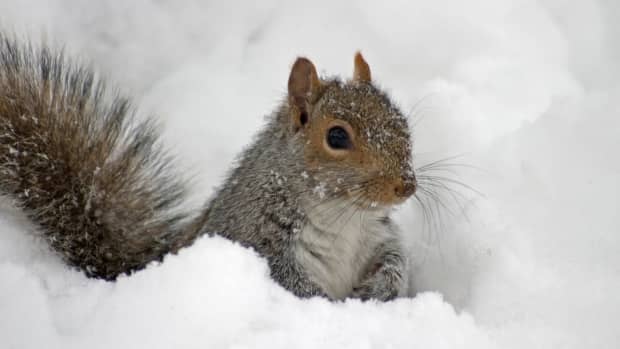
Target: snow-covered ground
526	92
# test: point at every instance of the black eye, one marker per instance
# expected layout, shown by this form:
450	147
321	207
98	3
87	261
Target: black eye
338	138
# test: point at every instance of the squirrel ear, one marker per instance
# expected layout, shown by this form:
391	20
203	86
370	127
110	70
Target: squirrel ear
361	72
303	87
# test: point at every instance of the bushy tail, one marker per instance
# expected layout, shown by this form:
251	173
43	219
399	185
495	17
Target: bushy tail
72	157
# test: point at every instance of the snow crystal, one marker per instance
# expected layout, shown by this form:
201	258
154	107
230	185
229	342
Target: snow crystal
320	190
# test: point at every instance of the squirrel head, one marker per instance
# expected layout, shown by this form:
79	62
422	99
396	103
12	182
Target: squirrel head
353	140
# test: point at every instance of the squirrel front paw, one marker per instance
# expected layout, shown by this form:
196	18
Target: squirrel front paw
383	285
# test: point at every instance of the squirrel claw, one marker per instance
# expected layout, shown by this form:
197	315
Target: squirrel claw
382	286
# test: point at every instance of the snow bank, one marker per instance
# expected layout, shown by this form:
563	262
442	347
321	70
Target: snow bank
527	92
215	295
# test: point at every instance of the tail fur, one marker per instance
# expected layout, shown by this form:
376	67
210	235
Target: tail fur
72	156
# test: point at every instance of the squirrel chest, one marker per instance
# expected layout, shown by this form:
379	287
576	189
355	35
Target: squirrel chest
338	244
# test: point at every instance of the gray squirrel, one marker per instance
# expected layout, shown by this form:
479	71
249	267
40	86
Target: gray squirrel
312	194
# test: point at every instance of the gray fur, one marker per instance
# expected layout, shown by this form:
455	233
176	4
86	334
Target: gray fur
99	186
269	199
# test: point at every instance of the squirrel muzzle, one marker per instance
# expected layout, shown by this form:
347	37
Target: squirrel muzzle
404	187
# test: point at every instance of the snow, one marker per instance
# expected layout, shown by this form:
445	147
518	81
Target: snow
526	92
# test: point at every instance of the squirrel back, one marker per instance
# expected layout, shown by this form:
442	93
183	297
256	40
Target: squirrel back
312	194
74	158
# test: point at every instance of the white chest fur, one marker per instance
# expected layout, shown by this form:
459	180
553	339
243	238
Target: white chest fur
338	243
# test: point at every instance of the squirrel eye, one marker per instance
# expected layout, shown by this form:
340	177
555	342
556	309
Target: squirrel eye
338	138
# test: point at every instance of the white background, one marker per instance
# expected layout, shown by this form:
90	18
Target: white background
527	92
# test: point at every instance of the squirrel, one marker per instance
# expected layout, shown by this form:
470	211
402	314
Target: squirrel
312	194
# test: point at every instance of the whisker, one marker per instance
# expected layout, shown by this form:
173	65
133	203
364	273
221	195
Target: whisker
425	216
457	197
355	210
435	212
452	181
447	165
416	110
325	202
341	212
441	192
440	161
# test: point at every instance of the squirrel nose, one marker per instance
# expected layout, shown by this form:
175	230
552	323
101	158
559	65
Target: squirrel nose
405	187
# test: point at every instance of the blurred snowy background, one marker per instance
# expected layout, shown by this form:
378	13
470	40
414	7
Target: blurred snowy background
527	92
